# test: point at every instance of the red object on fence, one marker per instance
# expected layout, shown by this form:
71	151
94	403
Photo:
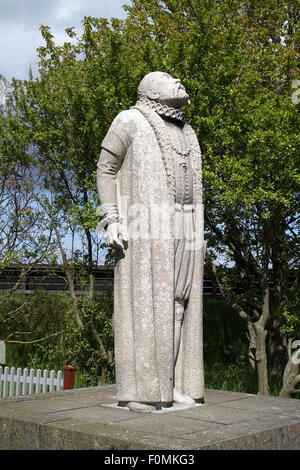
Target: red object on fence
69	377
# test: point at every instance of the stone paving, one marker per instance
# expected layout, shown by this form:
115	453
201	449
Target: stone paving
87	419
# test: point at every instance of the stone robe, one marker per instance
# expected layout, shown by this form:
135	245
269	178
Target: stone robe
144	276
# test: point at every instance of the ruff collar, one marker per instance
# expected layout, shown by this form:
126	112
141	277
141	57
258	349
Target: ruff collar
162	110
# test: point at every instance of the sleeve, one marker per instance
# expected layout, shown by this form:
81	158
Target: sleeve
107	169
117	139
113	150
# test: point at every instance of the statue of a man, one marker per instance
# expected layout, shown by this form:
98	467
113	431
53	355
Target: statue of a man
149	172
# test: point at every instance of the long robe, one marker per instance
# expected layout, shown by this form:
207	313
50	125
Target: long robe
144	277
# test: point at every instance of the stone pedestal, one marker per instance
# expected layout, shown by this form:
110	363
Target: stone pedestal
85	418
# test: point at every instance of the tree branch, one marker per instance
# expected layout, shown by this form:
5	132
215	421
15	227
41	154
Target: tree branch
228	296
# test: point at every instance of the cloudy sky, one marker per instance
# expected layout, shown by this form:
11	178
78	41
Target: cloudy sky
20	21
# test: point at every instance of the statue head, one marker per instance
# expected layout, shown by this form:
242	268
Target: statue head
161	87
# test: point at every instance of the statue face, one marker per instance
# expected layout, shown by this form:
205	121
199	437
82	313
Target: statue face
163	88
171	91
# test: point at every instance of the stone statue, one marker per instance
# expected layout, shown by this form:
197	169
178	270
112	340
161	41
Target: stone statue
149	172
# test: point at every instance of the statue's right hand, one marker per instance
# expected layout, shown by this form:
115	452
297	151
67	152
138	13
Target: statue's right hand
115	235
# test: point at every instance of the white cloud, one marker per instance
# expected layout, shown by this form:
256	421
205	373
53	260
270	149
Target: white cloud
20	21
67	8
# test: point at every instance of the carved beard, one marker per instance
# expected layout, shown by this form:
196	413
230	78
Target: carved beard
182	101
175	97
180	97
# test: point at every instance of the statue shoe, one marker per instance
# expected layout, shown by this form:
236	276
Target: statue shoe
141	407
183	399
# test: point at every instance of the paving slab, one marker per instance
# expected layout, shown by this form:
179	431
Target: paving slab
86	419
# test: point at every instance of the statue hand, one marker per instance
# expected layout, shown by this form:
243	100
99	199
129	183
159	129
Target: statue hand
115	235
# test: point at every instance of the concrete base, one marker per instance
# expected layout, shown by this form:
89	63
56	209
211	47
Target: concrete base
86	419
175	407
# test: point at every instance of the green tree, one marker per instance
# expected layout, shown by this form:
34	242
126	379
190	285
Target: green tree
239	61
63	115
25	237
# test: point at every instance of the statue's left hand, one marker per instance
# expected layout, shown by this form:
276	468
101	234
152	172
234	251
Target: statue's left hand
115	235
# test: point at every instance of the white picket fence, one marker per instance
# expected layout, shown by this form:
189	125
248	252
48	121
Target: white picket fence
14	383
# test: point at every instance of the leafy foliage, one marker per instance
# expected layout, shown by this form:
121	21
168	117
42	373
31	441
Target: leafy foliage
81	349
238	61
34	332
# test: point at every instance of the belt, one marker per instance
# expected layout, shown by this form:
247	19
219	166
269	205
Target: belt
184	207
